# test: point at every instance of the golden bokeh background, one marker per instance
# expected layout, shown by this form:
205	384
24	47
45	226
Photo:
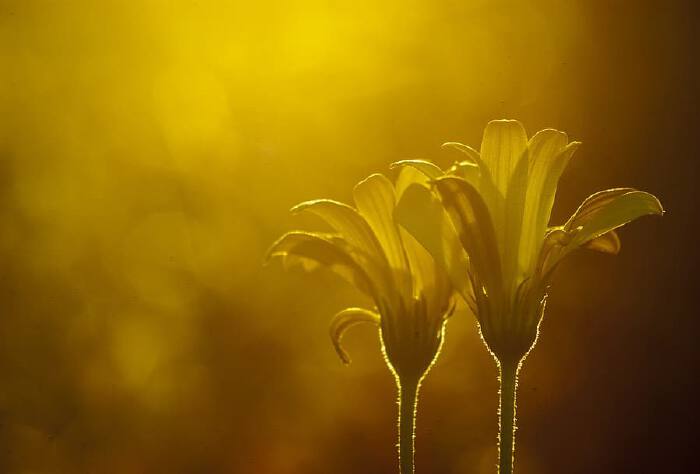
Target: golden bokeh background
150	151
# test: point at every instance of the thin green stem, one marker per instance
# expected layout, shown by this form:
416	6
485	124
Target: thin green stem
506	435
408	399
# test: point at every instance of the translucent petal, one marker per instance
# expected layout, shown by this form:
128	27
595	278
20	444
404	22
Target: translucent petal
346	319
555	241
409	175
592	204
421	214
606	243
549	156
503	144
312	250
423	271
467	171
347	222
472	154
429	281
597	216
472	220
430	170
513	222
483	182
375	200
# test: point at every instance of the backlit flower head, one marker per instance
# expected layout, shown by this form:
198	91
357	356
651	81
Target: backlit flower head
499	201
412	295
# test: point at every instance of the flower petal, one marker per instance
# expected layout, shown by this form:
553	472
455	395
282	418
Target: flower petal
511	231
429	169
423	272
481	179
503	144
409	175
473	170
597	216
549	156
474	226
421	214
472	154
346	319
592	204
606	243
313	250
375	200
347	222
466	170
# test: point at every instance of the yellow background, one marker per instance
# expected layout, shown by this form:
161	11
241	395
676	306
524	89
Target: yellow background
150	151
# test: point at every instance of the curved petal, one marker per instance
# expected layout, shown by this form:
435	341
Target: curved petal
375	200
409	175
313	250
472	154
429	169
429	278
423	272
346	221
555	241
593	204
483	182
343	321
549	156
611	214
473	170
474	226
606	243
466	170
421	214
503	144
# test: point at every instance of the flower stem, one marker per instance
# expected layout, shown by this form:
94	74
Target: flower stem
408	398
506	436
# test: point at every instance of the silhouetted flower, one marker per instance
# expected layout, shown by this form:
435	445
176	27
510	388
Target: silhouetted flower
499	201
413	295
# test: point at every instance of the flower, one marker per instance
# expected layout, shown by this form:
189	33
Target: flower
412	295
499	201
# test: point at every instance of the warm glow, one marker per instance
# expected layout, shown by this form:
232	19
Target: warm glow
150	152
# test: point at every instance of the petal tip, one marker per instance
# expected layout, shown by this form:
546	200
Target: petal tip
344	320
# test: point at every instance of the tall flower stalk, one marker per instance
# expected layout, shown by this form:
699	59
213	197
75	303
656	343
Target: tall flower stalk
499	200
412	295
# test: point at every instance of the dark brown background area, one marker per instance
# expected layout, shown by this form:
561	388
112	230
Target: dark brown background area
149	154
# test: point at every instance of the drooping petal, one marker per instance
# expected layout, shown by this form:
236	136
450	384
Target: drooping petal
610	214
549	156
313	250
473	224
343	321
606	243
347	222
502	146
594	223
421	214
375	200
593	204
